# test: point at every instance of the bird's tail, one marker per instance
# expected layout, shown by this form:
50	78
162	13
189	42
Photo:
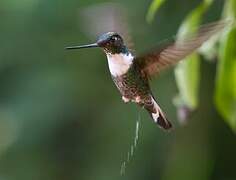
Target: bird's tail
157	114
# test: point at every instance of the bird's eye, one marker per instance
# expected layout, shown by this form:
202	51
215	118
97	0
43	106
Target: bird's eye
114	38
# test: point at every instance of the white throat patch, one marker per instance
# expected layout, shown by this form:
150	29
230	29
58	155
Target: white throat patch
119	63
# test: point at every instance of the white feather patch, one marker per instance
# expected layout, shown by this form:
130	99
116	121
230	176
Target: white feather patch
119	63
156	115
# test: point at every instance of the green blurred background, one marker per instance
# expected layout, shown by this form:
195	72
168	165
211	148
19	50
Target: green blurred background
61	117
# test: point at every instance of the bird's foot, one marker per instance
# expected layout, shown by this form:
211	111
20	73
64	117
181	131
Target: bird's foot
138	99
126	100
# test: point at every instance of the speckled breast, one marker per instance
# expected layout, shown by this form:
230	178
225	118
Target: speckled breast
132	84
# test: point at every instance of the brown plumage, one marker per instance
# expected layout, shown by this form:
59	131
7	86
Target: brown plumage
171	53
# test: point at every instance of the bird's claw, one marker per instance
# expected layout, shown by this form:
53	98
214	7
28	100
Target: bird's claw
138	99
126	100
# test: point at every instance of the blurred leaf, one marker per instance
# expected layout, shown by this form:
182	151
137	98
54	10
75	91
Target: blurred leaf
209	49
229	10
187	78
155	5
188	71
225	96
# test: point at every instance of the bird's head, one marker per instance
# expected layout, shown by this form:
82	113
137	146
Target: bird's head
111	43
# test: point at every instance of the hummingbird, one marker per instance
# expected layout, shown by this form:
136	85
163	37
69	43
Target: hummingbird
132	73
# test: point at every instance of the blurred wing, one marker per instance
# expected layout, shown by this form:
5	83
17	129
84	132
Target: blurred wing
106	17
171	53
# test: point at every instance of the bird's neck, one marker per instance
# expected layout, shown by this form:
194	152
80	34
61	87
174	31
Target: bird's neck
119	63
125	50
116	49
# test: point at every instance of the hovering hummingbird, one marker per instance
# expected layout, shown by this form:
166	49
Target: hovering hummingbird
131	73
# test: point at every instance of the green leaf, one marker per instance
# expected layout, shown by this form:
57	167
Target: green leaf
225	95
193	19
155	5
210	49
229	10
187	78
187	72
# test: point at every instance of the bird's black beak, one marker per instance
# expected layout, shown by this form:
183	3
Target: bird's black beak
83	46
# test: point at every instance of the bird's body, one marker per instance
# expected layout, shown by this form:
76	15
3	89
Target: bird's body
131	73
133	85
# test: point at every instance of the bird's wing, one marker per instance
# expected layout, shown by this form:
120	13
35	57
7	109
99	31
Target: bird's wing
106	17
170	53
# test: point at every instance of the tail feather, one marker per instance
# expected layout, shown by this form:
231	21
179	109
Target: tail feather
158	116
